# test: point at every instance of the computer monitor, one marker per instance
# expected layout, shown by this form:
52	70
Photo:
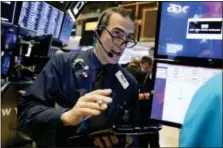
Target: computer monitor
8	11
5	65
41	17
9	39
174	88
188	30
66	29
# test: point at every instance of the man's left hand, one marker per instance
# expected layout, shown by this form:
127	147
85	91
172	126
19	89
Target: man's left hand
106	141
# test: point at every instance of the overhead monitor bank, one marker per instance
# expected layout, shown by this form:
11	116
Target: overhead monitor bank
41	17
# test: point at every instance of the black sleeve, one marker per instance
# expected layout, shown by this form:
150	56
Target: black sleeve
37	116
135	115
137	74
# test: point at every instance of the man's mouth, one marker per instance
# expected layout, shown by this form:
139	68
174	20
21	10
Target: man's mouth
116	53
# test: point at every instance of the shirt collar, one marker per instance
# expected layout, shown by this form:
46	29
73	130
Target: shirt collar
96	64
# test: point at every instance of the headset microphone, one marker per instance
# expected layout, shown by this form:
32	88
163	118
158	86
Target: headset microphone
110	54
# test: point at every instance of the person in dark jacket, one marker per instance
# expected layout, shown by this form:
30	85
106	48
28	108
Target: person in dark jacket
80	93
134	68
141	69
146	65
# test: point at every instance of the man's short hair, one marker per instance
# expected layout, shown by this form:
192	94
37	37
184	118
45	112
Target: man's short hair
105	16
135	62
146	59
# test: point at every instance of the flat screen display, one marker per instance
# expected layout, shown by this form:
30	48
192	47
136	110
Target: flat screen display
190	30
66	29
10	40
175	86
41	17
5	65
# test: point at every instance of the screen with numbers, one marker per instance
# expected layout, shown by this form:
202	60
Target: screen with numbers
41	17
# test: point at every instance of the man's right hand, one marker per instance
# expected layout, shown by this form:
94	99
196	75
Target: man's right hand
87	106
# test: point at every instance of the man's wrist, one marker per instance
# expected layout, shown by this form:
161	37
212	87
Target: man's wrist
65	118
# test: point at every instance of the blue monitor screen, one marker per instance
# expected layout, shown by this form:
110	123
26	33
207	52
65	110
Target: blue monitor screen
41	17
66	29
5	64
10	41
190	29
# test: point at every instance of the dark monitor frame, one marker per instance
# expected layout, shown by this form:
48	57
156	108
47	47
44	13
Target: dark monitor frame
14	12
180	63
195	60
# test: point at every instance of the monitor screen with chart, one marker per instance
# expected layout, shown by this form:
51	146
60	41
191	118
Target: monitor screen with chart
174	87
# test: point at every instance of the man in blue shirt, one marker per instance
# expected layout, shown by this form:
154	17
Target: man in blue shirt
203	122
68	81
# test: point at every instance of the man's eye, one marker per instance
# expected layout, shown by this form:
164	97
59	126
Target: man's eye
131	38
117	33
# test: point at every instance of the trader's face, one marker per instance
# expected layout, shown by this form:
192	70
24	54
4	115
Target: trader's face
119	29
146	67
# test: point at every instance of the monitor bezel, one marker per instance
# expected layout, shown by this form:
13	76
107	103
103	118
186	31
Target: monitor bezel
180	63
13	14
196	60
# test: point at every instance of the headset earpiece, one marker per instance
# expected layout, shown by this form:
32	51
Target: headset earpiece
98	31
